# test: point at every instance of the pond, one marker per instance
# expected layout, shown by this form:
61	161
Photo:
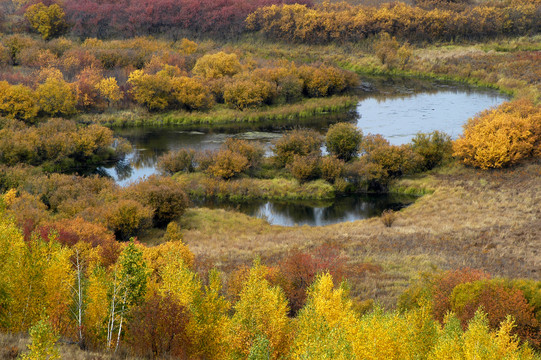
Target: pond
394	108
341	209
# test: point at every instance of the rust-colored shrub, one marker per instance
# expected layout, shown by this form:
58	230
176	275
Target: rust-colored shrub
498	300
157	328
162	194
175	161
304	168
253	151
298	270
443	286
297	142
331	168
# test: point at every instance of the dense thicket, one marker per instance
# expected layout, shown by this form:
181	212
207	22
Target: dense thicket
150	301
344	22
91	18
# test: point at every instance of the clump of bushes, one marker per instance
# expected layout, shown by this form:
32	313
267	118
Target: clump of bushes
162	194
435	148
501	137
343	140
465	291
59	145
227	164
175	161
297	142
304	168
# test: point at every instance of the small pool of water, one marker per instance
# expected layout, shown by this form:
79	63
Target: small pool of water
342	209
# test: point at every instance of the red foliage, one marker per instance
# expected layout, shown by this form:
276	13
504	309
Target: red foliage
158	328
104	18
499	301
444	285
299	269
70	232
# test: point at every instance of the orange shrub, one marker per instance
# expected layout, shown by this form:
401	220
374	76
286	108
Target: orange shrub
443	286
227	164
501	137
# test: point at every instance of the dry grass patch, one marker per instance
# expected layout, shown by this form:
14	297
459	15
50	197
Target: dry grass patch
481	219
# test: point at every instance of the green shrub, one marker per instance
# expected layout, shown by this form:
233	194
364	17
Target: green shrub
435	148
343	140
297	142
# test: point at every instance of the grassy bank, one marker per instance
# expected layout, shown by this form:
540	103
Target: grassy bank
201	186
222	114
487	220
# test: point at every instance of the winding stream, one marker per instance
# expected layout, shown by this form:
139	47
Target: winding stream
394	108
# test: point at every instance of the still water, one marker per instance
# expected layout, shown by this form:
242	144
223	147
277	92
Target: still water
394	108
341	209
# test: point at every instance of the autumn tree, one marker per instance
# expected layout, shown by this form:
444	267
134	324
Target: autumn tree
47	20
43	341
261	312
211	66
327	324
56	97
108	89
127	290
18	101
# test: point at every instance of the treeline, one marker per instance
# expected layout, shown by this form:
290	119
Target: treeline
440	20
152	302
37	199
127	18
62	78
59	145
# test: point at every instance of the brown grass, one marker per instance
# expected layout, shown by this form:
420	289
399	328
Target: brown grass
489	220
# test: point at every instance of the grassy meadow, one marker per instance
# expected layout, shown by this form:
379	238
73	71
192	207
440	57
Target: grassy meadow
90	269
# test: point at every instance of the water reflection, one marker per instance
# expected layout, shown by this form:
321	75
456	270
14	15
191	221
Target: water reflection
342	209
393	107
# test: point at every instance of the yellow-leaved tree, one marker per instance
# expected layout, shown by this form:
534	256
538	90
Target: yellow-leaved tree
213	66
260	323
47	20
109	89
327	324
18	102
478	342
56	97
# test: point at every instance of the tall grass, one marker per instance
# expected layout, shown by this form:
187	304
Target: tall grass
222	115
